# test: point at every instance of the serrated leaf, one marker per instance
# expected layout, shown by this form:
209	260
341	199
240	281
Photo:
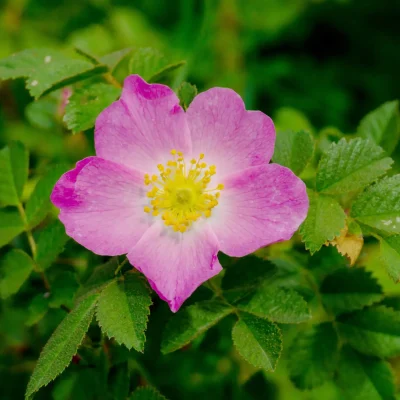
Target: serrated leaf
379	205
86	103
390	255
313	356
362	378
62	345
382	126
247	273
281	305
258	341
11	225
123	310
101	276
50	244
14	163
350	289
39	203
16	266
351	166
151	64
372	331
191	322
112	60
324	221
46	70
37	309
293	150
186	93
146	393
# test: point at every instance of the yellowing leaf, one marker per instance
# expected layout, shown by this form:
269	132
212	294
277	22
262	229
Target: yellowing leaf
348	243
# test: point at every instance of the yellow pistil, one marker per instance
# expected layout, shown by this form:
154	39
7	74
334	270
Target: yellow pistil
179	194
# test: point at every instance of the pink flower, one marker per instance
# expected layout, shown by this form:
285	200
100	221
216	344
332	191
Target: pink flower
171	189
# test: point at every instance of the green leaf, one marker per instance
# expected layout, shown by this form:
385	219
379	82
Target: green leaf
112	60
43	113
313	356
37	309
191	322
11	225
382	126
247	273
16	266
324	221
50	244
86	103
14	163
379	205
364	378
390	255
350	166
281	305
372	331
350	289
46	70
293	150
186	94
151	65
258	341
39	203
62	345
101	277
123	311
146	393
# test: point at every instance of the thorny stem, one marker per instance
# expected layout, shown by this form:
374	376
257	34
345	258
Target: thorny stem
32	244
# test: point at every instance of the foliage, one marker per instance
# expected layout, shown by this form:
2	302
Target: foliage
314	317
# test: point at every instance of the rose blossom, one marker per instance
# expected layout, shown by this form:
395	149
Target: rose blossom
171	188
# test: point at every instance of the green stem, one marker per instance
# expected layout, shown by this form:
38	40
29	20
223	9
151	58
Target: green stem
32	244
120	266
111	80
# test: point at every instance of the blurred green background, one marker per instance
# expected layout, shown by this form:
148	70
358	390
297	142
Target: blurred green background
307	63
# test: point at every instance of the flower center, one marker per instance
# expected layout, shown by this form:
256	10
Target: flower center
180	194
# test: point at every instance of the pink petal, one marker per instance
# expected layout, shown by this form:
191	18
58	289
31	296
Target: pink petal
101	206
176	264
258	206
230	137
141	128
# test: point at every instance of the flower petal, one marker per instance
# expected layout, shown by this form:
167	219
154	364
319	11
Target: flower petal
176	264
101	206
141	128
230	137
259	206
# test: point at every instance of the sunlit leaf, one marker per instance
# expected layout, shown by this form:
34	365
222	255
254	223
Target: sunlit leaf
46	70
123	311
258	341
293	150
382	125
324	221
351	166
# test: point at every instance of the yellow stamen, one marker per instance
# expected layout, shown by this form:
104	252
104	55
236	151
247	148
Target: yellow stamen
180	195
